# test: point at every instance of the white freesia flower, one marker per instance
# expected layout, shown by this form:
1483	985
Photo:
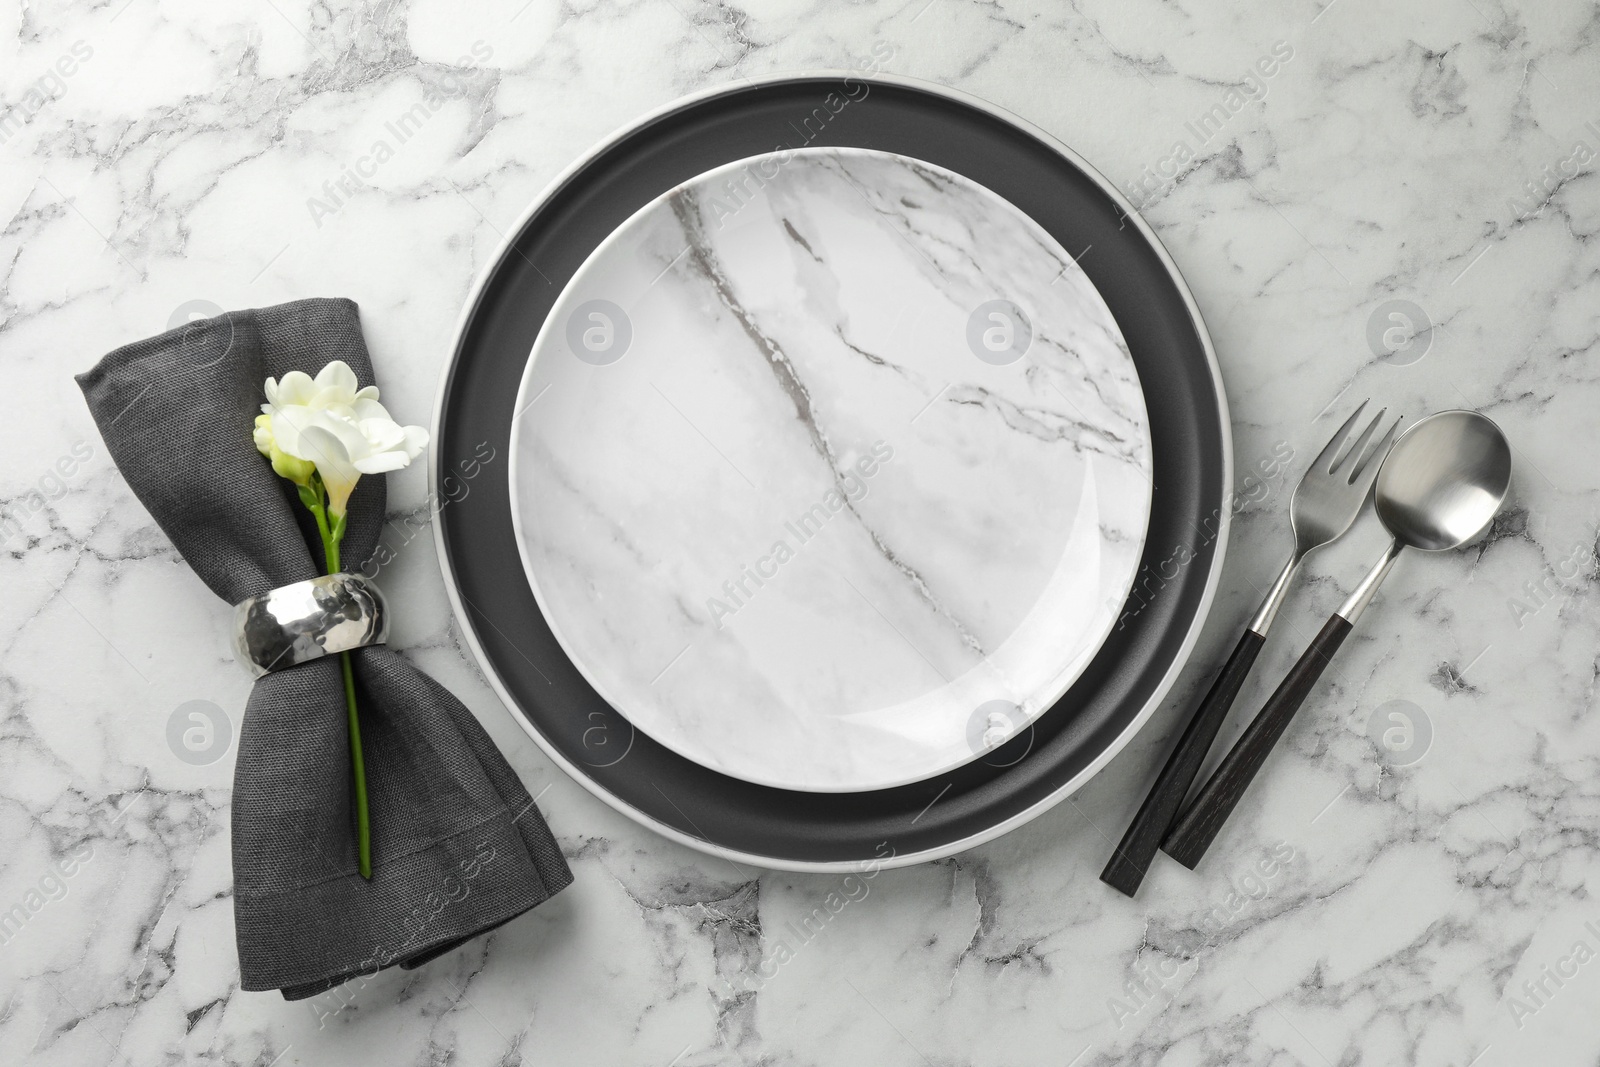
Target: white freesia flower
323	434
341	429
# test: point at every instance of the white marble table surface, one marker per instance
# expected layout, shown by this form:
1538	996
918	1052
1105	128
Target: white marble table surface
1439	912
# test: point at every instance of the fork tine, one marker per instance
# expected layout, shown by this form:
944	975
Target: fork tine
1353	453
1325	457
1367	469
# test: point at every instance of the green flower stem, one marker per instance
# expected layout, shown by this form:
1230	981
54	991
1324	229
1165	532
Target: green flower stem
332	534
363	826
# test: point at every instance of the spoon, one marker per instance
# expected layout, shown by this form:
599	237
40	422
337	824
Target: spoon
1439	488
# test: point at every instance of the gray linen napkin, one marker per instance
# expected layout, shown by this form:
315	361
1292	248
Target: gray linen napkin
457	845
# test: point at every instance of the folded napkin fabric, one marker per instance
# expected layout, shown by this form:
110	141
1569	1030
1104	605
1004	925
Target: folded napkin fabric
458	847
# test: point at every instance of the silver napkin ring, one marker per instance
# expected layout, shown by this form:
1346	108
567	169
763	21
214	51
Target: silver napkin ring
305	621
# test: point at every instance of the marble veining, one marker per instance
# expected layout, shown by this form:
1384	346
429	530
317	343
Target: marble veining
831	470
1420	914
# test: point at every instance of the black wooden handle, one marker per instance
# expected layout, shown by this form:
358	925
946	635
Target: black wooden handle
1138	846
1200	821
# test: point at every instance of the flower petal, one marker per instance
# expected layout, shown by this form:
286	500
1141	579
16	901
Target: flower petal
416	440
381	434
296	387
338	376
365	408
353	441
290	424
287	422
324	448
327	451
379	462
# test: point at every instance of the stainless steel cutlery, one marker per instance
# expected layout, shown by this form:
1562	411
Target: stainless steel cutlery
1438	488
1325	504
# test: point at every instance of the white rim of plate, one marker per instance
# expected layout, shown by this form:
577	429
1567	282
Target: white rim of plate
1033	811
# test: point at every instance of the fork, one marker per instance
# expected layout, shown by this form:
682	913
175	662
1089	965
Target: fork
1325	504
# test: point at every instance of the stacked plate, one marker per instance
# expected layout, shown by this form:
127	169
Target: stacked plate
849	470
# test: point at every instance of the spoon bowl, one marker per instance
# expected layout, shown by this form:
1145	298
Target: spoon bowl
1444	480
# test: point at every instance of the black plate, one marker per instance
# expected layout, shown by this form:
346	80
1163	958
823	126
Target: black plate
1123	684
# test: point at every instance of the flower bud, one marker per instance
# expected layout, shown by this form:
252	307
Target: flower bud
298	471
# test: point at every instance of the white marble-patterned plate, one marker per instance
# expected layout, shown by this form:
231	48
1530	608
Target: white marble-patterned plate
831	470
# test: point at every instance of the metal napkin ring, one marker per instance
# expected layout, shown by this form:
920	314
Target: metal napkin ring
305	621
